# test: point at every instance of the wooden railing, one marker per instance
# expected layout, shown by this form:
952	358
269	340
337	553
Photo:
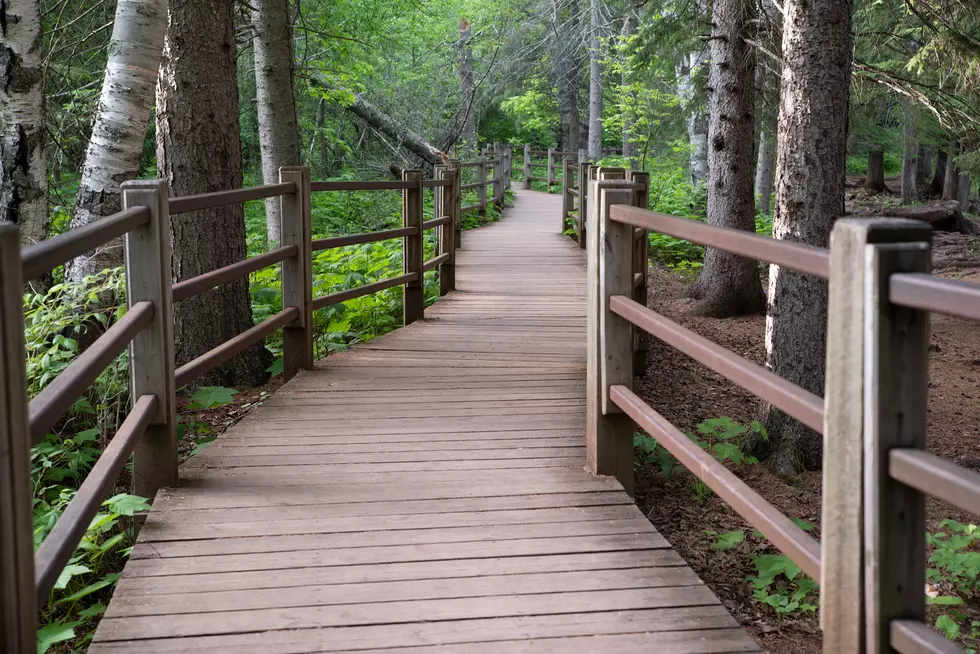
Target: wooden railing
149	433
871	560
493	171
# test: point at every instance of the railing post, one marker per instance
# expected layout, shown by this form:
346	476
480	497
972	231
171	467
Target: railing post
447	205
151	354
551	168
413	297
583	195
566	196
457	209
872	544
297	273
609	431
18	608
641	246
481	190
527	166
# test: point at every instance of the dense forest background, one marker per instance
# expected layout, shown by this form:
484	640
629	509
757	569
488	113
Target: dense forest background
719	100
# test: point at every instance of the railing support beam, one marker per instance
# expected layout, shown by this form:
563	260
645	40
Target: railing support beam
151	359
297	272
849	409
447	205
609	431
527	166
18	608
641	267
413	294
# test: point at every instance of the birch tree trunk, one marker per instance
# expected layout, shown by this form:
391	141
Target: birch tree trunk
565	50
595	82
630	21
23	171
467	90
275	97
697	118
116	147
199	150
321	138
730	285
952	173
810	171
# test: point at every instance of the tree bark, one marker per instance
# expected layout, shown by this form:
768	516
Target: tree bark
199	151
23	170
923	168
963	185
321	138
467	91
939	178
730	285
697	118
402	135
952	174
275	98
764	172
875	180
810	173
910	164
116	147
595	81
630	22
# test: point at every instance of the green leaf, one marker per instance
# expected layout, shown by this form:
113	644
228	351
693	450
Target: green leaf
53	633
107	580
212	397
946	600
92	611
125	504
276	368
803	524
949	627
729	540
71	570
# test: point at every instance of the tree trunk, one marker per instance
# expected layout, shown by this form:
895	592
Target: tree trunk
939	178
275	98
910	166
595	82
923	168
23	170
199	151
321	138
697	118
963	185
730	285
116	147
630	21
952	174
810	173
875	181
764	172
467	92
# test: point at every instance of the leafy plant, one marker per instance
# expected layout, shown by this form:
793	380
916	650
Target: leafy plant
728	540
654	452
723	436
781	585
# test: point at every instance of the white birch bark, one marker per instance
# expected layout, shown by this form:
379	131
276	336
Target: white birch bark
23	173
275	98
697	117
116	146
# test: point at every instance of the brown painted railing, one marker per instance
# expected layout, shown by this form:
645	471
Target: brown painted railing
871	559
148	435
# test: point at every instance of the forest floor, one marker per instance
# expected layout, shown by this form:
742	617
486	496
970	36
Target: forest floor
691	393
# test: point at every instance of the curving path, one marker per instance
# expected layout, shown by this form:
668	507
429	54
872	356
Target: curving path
424	492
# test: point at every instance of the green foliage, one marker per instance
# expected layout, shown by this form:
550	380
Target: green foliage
780	584
955	574
212	397
653	452
727	541
724	437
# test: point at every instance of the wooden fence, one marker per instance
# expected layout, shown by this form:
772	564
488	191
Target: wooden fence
871	560
149	433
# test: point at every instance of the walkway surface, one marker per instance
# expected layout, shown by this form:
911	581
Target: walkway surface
424	492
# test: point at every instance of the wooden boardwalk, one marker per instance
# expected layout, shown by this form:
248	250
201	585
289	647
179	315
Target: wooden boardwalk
424	492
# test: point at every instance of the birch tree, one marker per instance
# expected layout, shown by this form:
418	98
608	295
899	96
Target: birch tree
125	105
467	90
697	117
275	98
23	171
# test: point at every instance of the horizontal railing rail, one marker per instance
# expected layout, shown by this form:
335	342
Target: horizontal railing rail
203	201
361	239
197	285
871	559
359	291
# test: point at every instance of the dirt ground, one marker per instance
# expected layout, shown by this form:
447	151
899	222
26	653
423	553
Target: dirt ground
687	393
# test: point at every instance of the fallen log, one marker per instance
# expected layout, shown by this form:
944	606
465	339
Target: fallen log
402	136
942	216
